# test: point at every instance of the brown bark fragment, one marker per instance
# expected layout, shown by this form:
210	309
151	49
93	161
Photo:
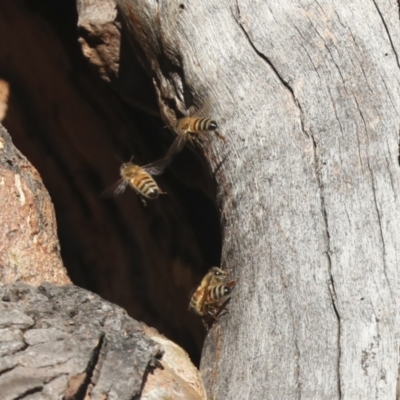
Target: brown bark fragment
29	248
4	94
177	379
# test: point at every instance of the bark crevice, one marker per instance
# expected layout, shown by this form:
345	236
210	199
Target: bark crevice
387	32
375	203
29	392
331	284
93	369
380	230
273	68
358	137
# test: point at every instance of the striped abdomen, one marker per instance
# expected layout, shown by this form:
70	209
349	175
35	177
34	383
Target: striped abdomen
197	301
196	124
202	124
145	185
198	298
218	293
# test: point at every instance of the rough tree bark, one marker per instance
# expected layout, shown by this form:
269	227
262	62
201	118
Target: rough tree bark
307	95
67	343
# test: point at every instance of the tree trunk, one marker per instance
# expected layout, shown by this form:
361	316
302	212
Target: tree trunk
306	94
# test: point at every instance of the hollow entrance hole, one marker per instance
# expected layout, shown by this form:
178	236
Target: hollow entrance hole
74	127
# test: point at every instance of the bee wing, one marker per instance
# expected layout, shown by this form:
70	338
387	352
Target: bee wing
121	186
116	189
176	146
157	167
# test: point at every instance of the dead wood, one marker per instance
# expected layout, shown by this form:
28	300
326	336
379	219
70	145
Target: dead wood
307	96
66	341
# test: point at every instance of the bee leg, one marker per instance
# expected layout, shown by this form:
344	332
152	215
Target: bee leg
222	312
210	319
219	136
161	192
143	201
223	309
213	314
207	324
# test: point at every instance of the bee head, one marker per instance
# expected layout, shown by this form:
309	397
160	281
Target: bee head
218	273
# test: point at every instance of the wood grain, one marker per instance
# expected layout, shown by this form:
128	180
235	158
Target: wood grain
307	96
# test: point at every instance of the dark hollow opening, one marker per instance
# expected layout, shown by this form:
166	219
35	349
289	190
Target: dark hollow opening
73	127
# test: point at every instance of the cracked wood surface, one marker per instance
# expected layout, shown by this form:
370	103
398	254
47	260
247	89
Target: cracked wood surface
307	96
66	341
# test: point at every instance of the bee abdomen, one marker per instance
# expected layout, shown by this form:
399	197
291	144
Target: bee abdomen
147	186
219	291
203	124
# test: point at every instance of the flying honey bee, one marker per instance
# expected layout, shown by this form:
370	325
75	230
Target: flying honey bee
211	296
189	129
140	179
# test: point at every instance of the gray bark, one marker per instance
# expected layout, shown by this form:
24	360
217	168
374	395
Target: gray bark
65	342
307	95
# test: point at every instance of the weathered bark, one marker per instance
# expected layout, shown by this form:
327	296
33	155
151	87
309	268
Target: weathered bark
308	182
65	341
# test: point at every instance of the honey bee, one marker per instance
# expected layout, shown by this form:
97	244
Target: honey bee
217	298
213	277
188	129
210	298
140	179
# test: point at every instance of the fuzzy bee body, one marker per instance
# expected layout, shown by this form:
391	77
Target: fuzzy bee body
189	129
195	125
210	298
212	278
140	179
218	293
216	298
